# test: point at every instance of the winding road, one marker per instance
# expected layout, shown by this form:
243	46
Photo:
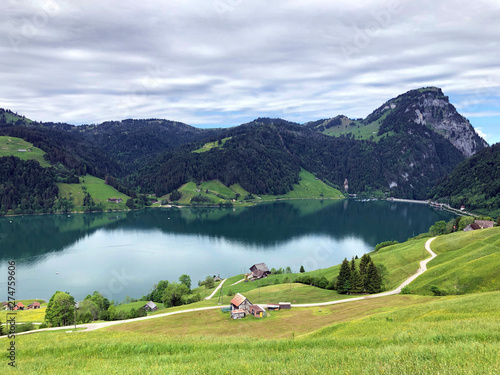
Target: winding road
93	326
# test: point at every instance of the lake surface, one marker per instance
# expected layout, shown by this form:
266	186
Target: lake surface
126	253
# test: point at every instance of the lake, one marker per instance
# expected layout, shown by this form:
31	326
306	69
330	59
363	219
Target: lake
126	253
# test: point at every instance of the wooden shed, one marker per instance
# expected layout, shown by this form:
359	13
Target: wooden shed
285	305
273	306
150	306
257	311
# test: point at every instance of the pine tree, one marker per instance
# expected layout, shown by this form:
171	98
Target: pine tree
356	282
353	265
373	281
302	270
365	259
343	280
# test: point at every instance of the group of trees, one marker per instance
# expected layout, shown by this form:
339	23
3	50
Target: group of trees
365	279
173	293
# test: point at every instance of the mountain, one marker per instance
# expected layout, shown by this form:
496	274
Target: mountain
431	108
475	183
402	149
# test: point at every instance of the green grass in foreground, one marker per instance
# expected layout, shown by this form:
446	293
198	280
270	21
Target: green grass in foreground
10	145
392	335
467	262
99	191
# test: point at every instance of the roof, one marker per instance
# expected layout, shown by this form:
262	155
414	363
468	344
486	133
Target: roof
285	303
238	299
35	303
261	267
20	304
475	226
151	304
485	223
256	308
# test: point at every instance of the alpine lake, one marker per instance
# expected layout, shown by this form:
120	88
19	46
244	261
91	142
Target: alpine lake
125	253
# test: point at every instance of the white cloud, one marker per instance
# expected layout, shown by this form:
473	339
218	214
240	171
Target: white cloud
479	131
223	62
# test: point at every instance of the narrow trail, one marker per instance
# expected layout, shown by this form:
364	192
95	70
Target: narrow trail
215	291
421	270
237	282
93	326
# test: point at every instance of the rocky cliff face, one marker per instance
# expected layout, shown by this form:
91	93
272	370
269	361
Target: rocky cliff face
430	107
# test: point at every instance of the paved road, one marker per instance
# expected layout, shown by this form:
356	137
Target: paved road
94	326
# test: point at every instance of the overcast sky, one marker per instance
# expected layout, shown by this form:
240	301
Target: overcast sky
215	63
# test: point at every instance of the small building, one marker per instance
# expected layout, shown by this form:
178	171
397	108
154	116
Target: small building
484	224
259	271
19	306
257	311
34	305
273	306
479	224
237	314
217	278
462	208
285	305
150	306
115	200
240	302
21	150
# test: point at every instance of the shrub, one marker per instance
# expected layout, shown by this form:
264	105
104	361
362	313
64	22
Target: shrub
230	293
385	244
406	290
24	327
437	292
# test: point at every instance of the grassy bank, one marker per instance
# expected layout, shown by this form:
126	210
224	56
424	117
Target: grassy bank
9	146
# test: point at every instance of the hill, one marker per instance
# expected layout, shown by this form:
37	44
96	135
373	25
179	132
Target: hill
475	183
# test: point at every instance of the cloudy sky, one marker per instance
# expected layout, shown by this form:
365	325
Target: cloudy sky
225	62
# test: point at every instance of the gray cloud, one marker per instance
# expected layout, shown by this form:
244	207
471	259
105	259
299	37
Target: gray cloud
223	62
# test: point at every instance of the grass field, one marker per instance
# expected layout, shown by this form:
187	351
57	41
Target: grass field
393	335
467	262
96	187
10	145
211	145
308	187
24	316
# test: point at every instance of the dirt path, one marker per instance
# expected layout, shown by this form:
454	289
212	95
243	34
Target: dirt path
215	291
421	270
94	326
237	282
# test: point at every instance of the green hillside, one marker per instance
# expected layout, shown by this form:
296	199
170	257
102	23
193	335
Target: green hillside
11	146
467	262
98	190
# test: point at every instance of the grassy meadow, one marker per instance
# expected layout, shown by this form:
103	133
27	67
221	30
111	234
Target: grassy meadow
392	335
97	188
10	145
307	188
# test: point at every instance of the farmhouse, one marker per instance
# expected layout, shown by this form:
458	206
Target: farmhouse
479	224
259	271
115	200
19	306
240	302
150	306
34	305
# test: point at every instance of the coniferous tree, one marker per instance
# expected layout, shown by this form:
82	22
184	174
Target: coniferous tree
353	265
356	282
302	270
365	259
373	281
343	280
